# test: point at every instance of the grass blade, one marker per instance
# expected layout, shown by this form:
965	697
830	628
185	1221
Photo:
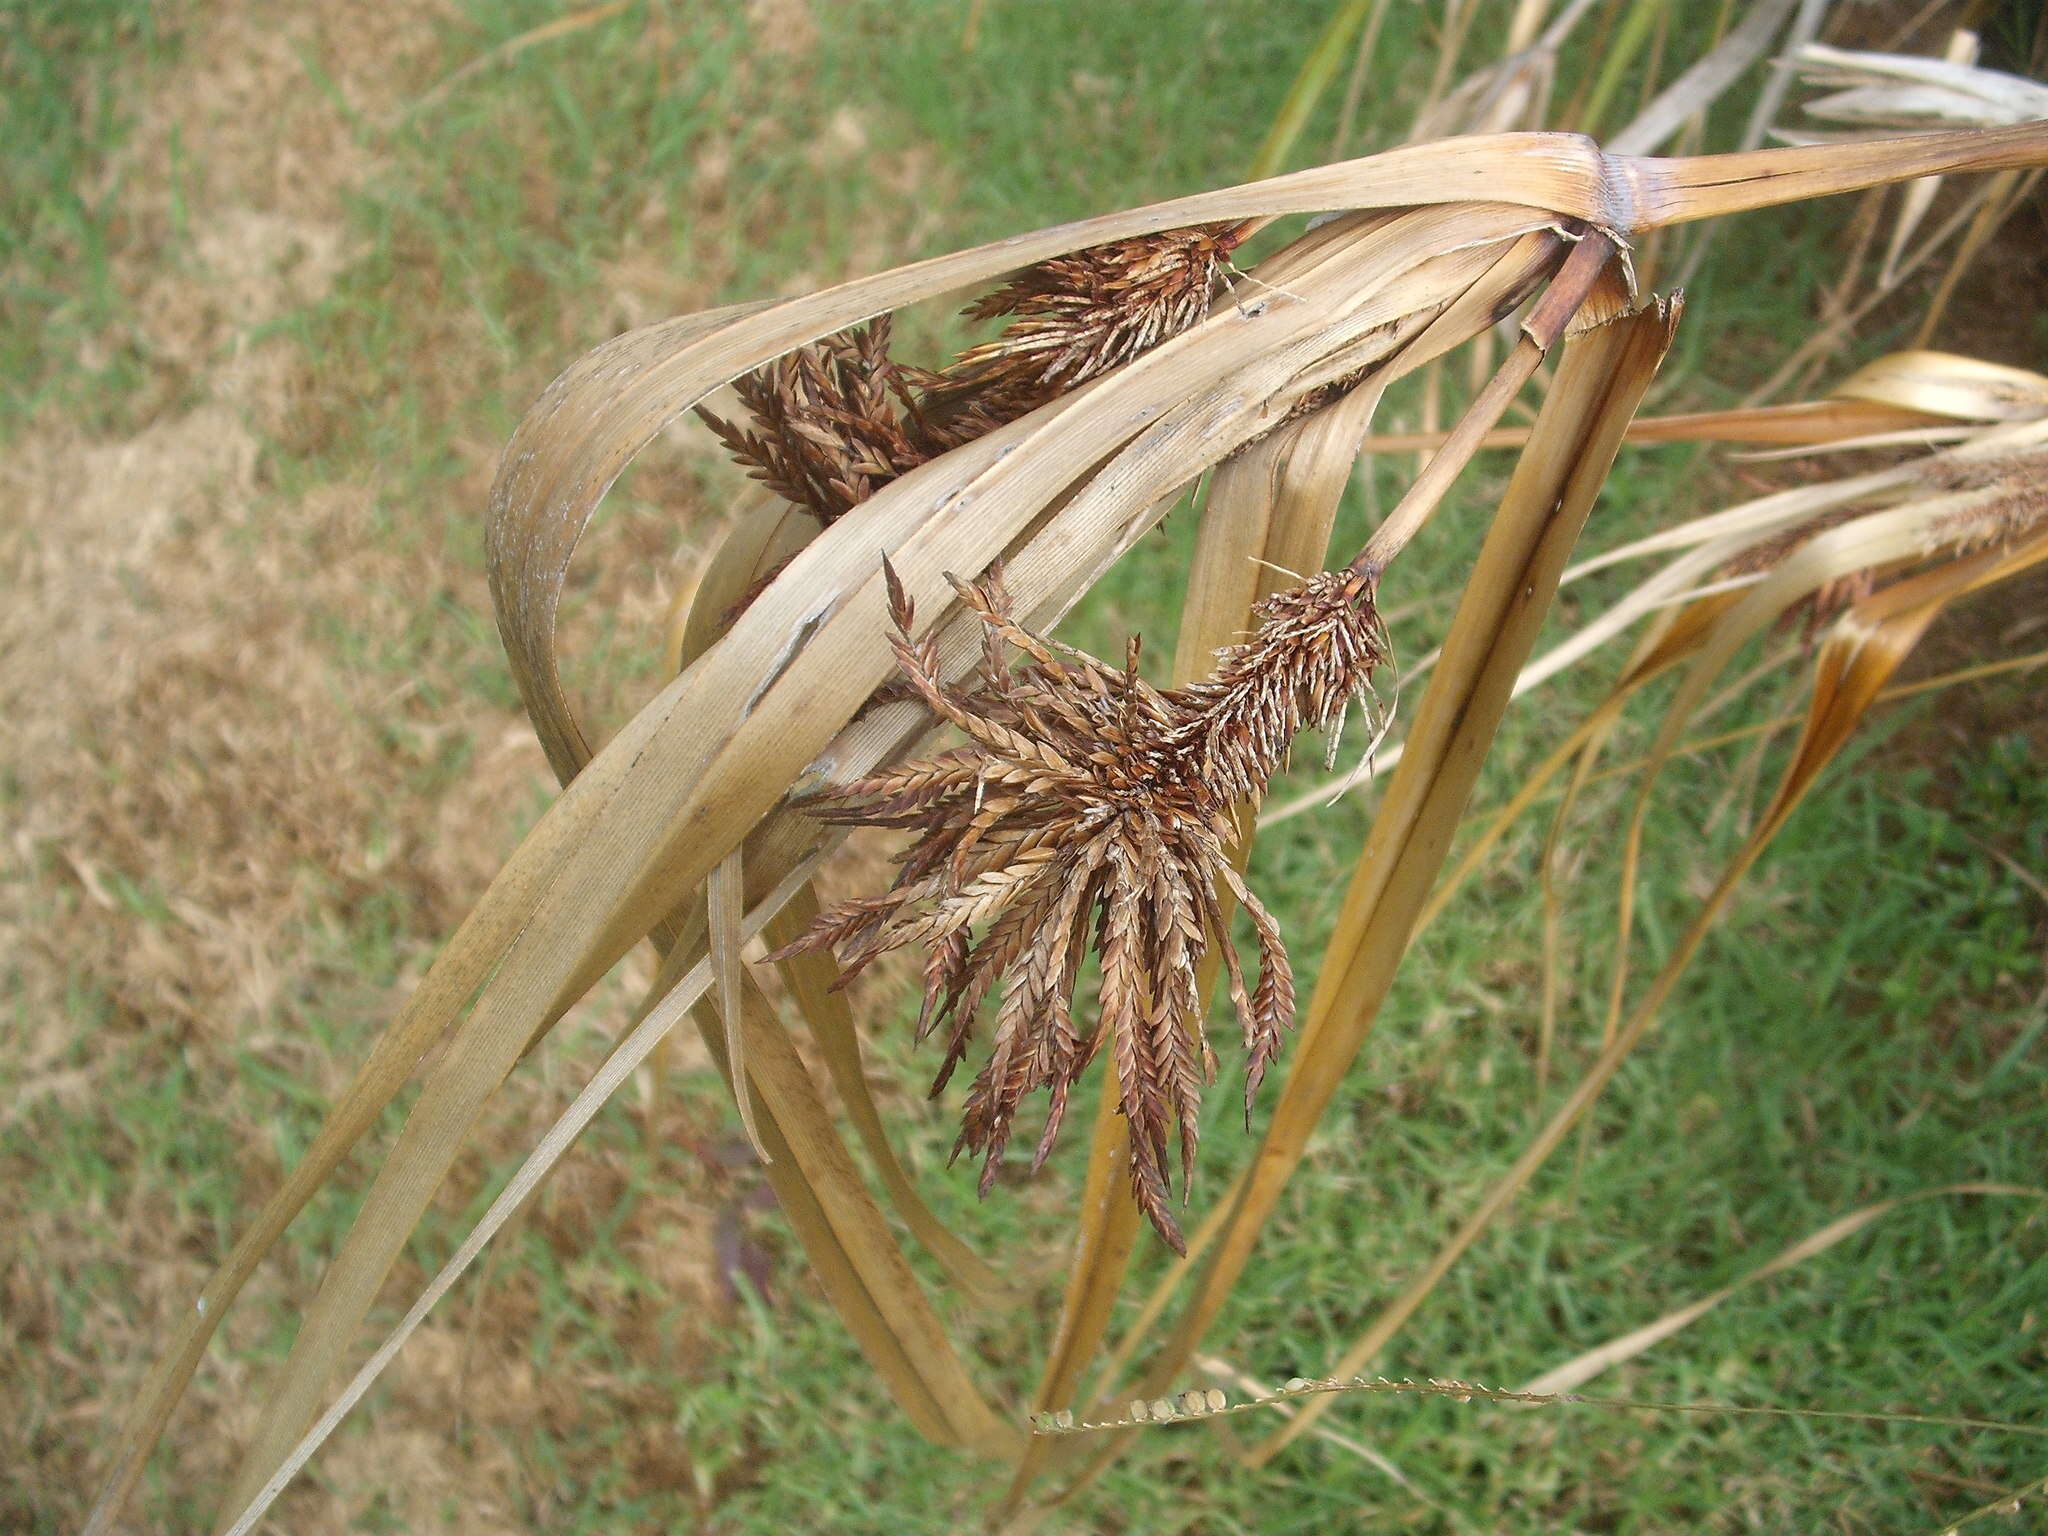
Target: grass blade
1580	1369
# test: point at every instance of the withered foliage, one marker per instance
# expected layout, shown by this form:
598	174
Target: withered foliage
833	422
1089	808
2001	497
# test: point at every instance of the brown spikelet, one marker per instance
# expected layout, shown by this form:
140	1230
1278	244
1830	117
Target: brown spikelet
1089	808
2012	500
1992	496
1829	600
831	423
1079	316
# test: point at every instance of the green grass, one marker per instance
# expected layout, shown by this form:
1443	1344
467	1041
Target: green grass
61	116
1866	1023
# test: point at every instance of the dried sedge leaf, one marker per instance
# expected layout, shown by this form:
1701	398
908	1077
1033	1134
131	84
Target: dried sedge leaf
1089	807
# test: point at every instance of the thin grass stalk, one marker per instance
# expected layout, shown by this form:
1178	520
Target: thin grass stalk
1456	17
1354	89
1199	1407
1585	1367
1616	56
1916	198
1546	322
2006	194
724	902
1892	695
1689	96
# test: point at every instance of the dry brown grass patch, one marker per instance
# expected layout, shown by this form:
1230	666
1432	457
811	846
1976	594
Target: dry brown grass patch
246	737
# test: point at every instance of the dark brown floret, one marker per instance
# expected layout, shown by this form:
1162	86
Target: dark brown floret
831	423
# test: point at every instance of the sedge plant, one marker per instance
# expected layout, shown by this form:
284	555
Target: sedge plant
916	533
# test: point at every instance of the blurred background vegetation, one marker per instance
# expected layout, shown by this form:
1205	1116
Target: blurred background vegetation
274	288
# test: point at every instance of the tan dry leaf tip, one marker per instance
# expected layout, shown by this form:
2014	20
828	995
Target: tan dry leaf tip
1088	808
1902	91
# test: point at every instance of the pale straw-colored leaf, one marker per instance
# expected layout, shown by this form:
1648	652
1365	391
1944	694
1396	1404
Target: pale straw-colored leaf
1896	90
1946	384
1895	393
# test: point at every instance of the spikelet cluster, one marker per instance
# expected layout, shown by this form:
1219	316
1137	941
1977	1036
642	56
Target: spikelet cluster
1997	498
1075	317
831	423
1087	809
2013	500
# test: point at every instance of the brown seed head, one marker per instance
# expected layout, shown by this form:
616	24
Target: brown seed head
1088	808
832	422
